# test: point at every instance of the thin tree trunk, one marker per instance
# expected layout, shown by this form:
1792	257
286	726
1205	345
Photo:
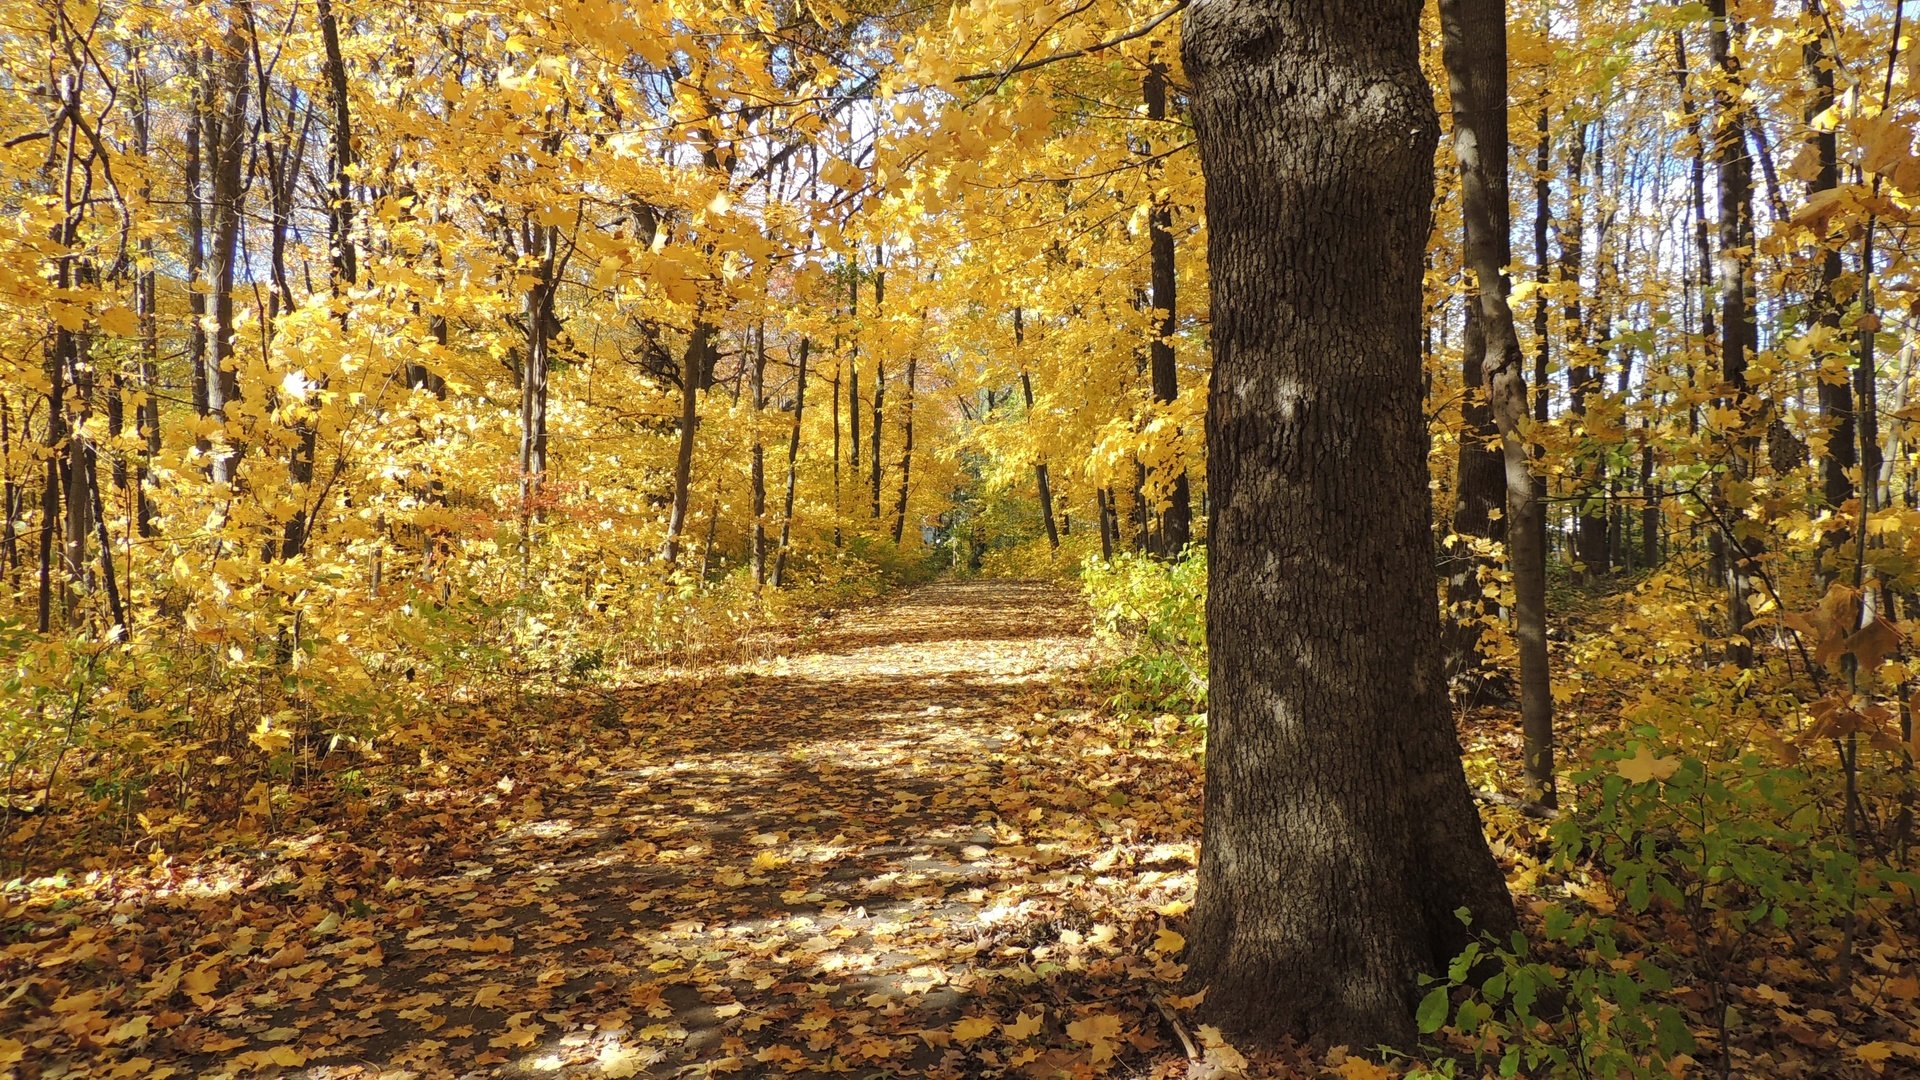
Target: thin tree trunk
758	467
835	398
226	146
1734	178
1040	473
1474	32
855	463
1479	492
116	605
340	199
10	496
906	455
1340	836
793	460
879	387
199	67
1176	521
342	262
146	412
539	309
1104	499
1583	382
699	345
1835	395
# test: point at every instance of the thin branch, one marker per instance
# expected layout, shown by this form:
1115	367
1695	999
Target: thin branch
1000	77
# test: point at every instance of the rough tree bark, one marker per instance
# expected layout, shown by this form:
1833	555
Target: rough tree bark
1475	36
1340	834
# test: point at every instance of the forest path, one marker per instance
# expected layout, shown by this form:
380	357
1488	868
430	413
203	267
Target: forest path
899	845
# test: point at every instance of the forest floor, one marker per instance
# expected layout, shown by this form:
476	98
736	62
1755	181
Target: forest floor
899	841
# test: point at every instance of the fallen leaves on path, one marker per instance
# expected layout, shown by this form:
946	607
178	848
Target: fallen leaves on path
902	846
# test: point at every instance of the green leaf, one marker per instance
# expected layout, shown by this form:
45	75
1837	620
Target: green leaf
1432	1014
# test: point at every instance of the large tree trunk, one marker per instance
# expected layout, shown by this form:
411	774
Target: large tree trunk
1340	834
1475	35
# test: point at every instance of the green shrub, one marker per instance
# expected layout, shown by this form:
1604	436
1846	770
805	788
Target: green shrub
1156	612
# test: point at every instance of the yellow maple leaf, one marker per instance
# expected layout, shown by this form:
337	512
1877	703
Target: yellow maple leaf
1643	767
1355	1068
973	1027
1098	1032
135	1028
1023	1028
118	320
492	943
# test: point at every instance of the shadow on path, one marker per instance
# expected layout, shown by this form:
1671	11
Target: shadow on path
822	861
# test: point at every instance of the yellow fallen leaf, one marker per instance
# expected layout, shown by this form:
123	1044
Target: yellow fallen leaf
1166	941
1355	1068
516	1036
620	1061
201	980
973	1027
135	1028
1098	1032
1023	1028
1873	1053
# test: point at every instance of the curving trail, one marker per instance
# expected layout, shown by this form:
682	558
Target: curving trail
901	845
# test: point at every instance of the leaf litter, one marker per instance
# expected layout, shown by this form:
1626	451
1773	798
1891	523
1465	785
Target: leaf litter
903	844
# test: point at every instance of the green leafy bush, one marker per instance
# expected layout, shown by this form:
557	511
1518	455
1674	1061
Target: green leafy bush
1156	611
